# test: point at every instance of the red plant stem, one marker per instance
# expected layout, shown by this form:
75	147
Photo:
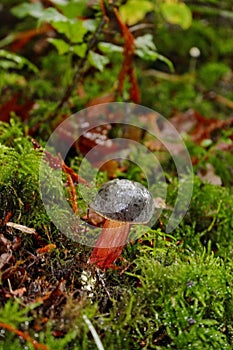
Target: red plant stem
128	66
103	9
57	163
75	177
110	244
72	190
24	335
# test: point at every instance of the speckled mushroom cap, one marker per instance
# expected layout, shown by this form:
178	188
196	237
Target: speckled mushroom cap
125	201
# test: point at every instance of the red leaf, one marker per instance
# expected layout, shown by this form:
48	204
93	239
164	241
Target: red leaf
21	39
97	136
110	97
13	105
198	126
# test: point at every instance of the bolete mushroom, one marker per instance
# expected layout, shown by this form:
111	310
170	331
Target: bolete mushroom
122	203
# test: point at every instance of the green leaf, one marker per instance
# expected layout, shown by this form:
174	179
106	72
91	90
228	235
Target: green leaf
52	15
26	9
5	64
145	49
177	13
59	2
61	46
71	9
72	29
79	50
37	11
16	61
109	48
147	55
145	42
97	61
135	10
166	61
90	24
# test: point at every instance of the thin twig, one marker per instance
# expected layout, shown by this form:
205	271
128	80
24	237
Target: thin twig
80	68
94	333
220	99
21	228
103	9
141	26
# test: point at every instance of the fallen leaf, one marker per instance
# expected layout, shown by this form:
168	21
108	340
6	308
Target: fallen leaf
106	98
22	38
13	105
208	174
46	249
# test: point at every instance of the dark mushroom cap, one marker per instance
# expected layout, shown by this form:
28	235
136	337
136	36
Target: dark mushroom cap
124	201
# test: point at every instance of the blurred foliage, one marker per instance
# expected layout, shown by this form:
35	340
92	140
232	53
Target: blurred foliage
168	291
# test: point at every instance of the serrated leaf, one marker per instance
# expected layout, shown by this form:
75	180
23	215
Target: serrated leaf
61	46
109	48
135	10
26	9
80	50
72	29
177	13
97	61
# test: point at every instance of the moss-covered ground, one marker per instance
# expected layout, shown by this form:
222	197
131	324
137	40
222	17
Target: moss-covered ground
167	290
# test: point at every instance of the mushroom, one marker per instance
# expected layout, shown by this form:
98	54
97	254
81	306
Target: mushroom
122	203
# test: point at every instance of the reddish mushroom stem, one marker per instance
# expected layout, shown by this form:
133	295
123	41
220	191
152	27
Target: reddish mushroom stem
110	244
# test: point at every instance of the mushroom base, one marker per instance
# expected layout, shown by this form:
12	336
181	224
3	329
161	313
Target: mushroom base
110	244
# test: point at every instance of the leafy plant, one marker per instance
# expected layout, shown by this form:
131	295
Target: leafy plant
177	13
78	39
9	60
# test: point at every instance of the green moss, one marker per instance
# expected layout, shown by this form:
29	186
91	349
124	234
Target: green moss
19	176
174	291
178	299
